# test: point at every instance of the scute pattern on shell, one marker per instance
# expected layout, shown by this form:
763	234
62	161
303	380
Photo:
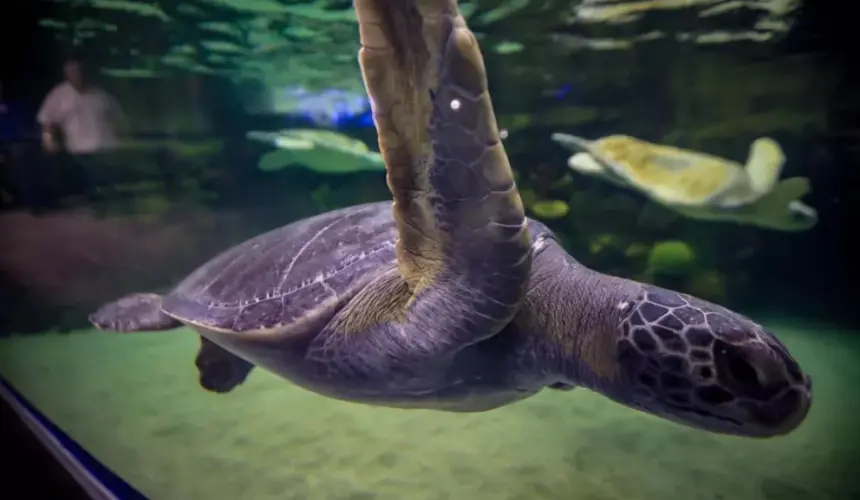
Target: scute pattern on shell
294	272
289	273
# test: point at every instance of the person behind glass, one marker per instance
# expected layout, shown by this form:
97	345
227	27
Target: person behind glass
83	121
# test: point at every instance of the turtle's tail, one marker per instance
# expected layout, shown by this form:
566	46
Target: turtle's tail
138	312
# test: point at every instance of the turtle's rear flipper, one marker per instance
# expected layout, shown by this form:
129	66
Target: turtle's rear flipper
220	371
781	209
139	312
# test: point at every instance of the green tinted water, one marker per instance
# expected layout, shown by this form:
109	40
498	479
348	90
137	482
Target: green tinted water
705	75
134	402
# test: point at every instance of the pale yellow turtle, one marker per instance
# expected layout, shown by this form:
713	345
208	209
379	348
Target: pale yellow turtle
699	185
323	151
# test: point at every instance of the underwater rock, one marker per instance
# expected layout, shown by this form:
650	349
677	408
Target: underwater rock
670	258
550	209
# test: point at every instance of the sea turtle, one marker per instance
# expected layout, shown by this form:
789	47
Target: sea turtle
456	301
323	151
699	185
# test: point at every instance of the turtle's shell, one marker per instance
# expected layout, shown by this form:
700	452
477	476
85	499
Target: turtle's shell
670	175
306	269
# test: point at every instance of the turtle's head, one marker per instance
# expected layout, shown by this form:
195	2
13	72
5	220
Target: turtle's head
701	365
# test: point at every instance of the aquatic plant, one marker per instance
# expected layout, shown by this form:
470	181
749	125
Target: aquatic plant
670	258
550	209
708	284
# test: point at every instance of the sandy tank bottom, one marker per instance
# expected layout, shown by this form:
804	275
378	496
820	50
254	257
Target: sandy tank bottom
133	401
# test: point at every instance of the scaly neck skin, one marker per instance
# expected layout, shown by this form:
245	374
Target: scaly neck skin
574	314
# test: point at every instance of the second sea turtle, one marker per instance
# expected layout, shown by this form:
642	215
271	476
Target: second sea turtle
323	151
700	185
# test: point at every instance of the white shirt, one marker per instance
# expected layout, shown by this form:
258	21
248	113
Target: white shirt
88	118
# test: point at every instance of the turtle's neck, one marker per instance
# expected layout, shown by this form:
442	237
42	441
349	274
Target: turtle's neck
572	316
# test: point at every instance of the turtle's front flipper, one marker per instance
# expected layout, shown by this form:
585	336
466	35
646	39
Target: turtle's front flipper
764	165
463	247
587	160
572	142
463	242
220	371
138	312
